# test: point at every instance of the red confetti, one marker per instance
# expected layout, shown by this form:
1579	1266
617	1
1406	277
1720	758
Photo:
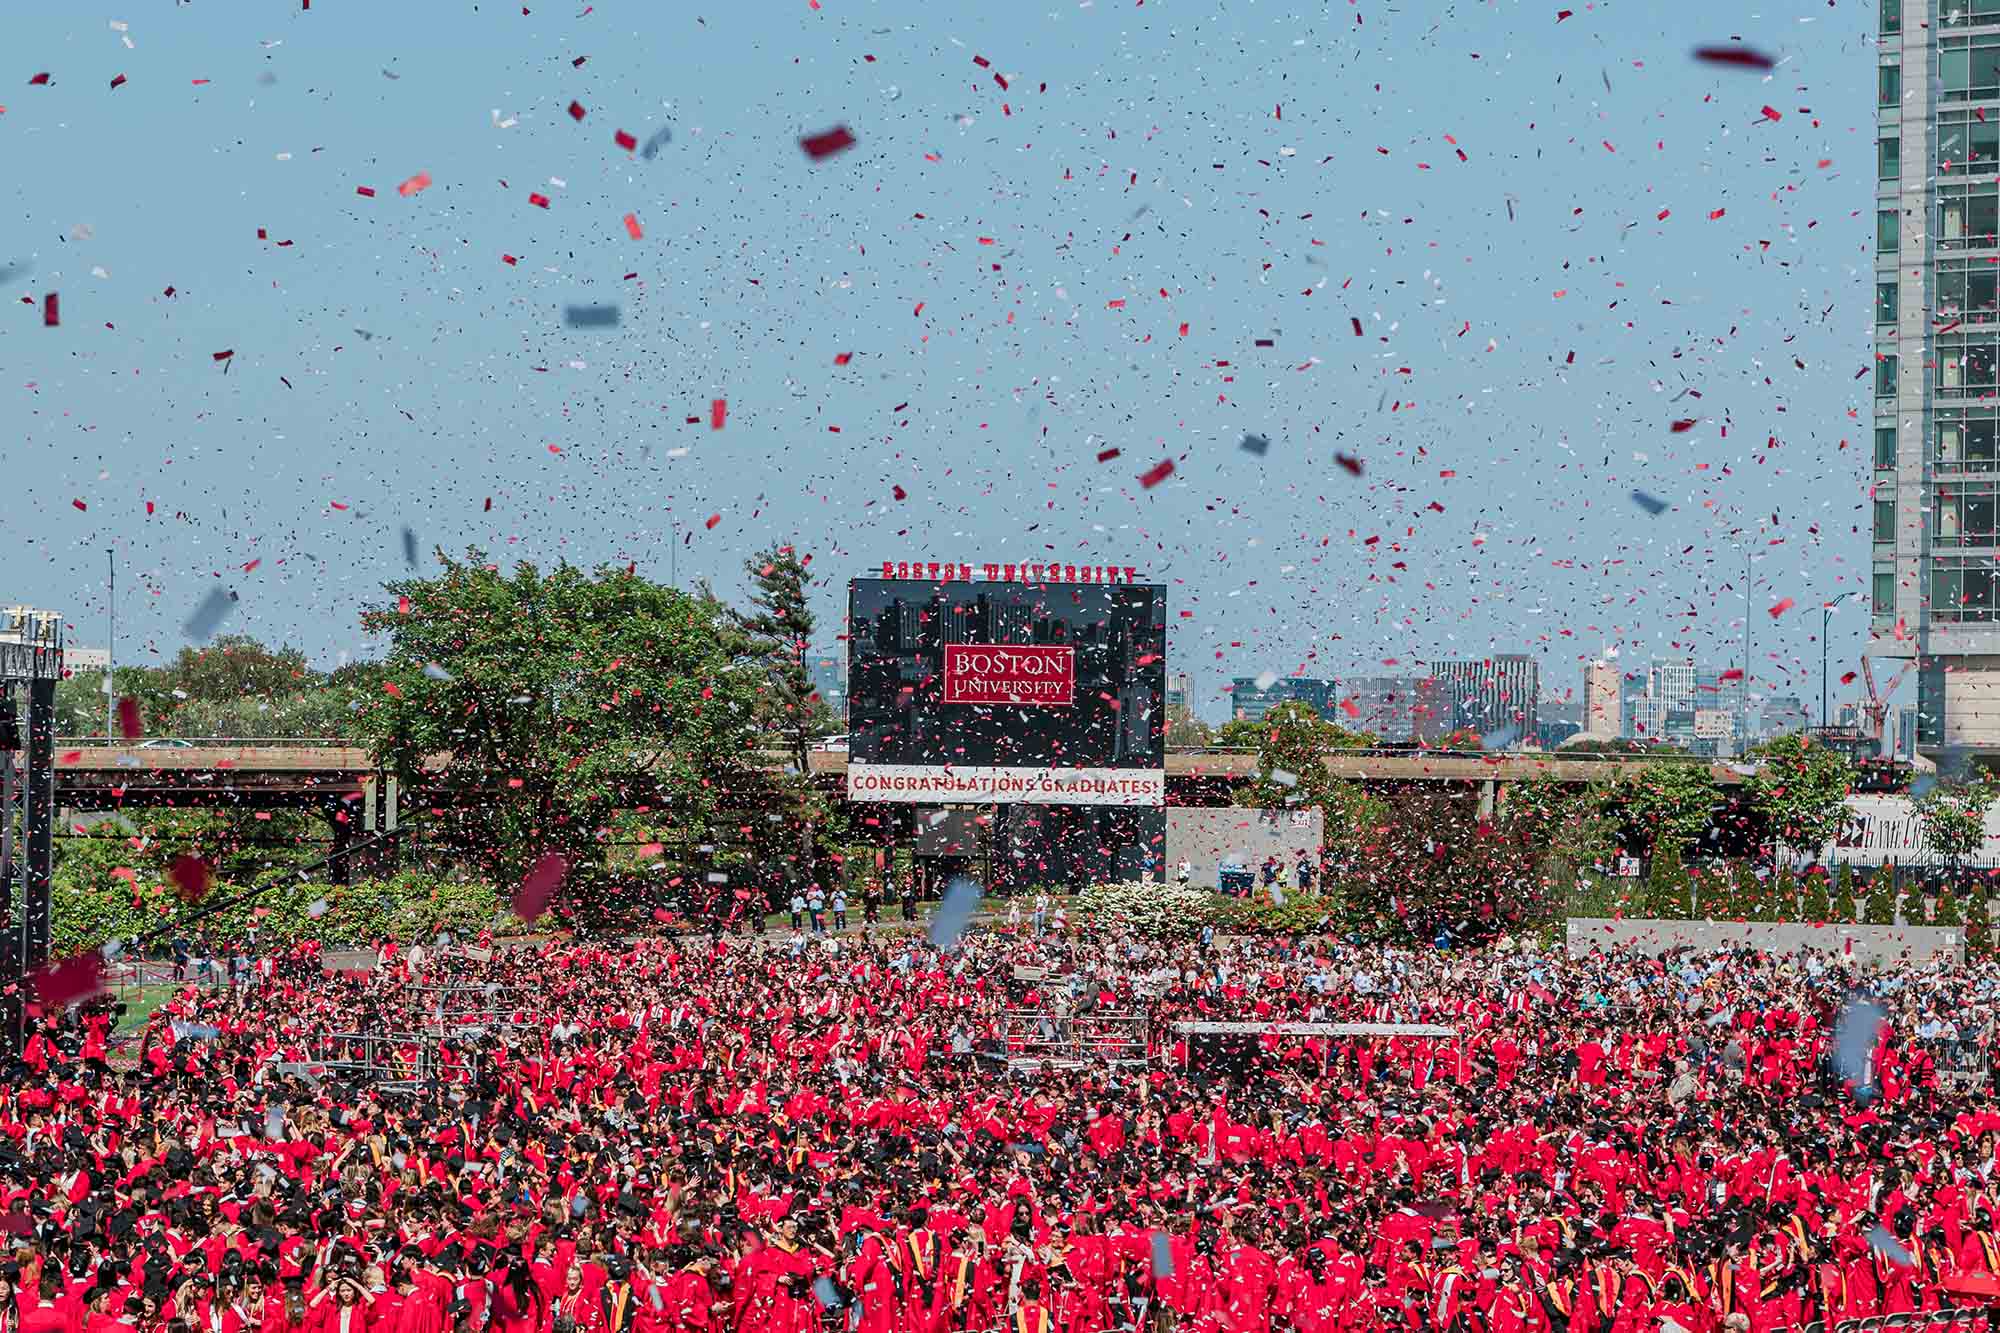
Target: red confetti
415	184
41	80
70	980
118	82
1847	678
1356	321
539	200
1184	329
71	757
1784	605
509	259
1716	214
821	146
51	314
1772	113
718	412
1349	707
1683	426
129	724
365	191
842	358
532	898
1353	465
1106	455
392	689
576	111
1734	55
1157	473
632	227
899	492
81	507
1562	14
713	519
190	875
625	141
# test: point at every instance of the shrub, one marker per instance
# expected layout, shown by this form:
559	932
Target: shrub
1667	885
1145	908
88	910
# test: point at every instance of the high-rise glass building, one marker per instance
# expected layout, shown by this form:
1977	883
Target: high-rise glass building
1936	544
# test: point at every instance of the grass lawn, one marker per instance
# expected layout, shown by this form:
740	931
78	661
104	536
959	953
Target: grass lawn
140	1002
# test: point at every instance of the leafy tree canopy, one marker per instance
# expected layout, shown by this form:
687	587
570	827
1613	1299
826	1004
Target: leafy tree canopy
1800	790
562	699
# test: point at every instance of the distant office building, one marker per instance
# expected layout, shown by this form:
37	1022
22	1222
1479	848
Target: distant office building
1781	715
1662	700
1603	711
1180	694
829	679
1906	733
1556	720
1398	710
1494	696
1249	701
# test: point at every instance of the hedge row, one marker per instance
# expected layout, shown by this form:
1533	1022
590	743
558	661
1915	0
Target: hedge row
1167	911
87	912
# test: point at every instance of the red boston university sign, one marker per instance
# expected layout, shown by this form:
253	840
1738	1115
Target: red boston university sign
1043	675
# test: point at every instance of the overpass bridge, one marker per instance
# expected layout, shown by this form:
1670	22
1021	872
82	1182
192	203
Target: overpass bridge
275	774
342	784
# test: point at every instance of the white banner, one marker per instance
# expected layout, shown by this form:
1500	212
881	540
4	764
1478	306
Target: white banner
943	783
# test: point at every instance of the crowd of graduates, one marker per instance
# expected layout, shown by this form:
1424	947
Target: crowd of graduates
808	1133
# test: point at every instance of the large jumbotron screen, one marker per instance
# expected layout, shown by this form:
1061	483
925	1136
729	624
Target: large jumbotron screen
1006	691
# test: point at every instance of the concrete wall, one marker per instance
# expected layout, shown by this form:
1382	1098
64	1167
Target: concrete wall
1205	838
1869	943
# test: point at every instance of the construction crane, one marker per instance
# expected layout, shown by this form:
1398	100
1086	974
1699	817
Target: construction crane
1877	706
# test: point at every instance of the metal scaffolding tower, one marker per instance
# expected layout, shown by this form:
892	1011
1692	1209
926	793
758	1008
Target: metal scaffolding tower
31	662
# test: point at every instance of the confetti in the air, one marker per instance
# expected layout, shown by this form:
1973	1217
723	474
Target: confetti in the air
821	146
531	899
961	899
208	616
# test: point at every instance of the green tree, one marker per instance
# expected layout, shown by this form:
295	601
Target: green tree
1842	906
1188	732
1663	804
561	699
1978	925
234	665
1668	886
1800	790
1815	897
1951	817
1881	905
778	632
1947	911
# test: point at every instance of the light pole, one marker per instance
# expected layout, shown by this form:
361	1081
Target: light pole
110	645
1825	620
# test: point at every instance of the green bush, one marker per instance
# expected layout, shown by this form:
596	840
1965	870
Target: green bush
1947	913
1667	885
1842	908
88	911
1881	906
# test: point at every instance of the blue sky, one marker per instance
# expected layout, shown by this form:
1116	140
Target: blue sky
1628	228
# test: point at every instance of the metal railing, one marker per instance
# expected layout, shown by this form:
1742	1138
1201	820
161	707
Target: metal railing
1035	1038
